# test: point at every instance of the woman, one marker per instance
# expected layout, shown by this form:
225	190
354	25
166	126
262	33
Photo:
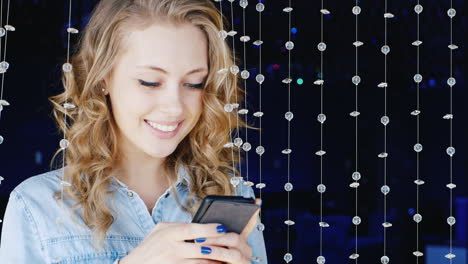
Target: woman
147	140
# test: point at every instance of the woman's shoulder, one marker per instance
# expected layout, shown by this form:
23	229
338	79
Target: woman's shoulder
43	210
40	184
32	207
35	218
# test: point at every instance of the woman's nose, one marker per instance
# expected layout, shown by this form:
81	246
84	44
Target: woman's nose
172	100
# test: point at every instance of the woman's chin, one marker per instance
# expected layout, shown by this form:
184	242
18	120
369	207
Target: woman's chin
160	152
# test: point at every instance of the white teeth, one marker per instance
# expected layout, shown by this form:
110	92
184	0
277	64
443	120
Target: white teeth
162	127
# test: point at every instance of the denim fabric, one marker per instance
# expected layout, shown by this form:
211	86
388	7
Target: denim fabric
37	229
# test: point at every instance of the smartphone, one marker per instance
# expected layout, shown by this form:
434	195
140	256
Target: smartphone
232	211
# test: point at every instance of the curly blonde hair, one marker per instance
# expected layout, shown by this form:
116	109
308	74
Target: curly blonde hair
91	129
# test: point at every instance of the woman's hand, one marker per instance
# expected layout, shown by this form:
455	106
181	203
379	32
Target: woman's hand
166	244
235	241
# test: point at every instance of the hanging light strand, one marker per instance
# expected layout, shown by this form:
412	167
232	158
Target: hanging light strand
234	69
289	116
385	189
417	217
4	65
451	149
356	176
321	188
260	78
67	68
246	146
228	108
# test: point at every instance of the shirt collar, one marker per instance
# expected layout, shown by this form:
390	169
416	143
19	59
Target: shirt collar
182	178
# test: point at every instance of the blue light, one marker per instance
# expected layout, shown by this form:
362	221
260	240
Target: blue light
432	82
294	30
411	211
38	158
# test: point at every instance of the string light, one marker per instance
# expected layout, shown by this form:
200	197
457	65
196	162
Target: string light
260	78
356	176
385	189
321	188
228	108
418	146
234	69
4	65
246	146
451	150
289	116
64	143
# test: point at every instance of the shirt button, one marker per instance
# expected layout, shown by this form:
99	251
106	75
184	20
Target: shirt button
130	194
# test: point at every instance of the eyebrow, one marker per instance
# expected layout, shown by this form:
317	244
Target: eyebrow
156	68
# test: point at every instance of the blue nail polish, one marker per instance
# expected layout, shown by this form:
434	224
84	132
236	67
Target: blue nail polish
205	250
200	240
221	229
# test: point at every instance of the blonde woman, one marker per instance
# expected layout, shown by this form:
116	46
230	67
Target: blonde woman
146	146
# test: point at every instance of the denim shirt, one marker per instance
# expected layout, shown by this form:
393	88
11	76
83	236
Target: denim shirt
37	229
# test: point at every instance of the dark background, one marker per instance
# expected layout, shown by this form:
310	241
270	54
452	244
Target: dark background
37	50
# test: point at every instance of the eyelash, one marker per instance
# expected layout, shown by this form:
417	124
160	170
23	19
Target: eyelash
192	85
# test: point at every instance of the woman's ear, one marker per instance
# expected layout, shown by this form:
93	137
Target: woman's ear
102	87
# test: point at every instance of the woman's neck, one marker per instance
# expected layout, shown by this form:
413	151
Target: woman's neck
148	180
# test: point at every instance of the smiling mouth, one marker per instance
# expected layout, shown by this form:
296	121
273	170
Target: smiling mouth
163	128
164	131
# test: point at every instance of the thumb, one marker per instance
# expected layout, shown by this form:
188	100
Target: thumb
252	222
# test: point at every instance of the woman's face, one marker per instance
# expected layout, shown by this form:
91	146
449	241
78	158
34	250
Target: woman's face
156	88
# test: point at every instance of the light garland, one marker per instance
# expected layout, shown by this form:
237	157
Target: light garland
260	78
4	65
228	108
321	188
418	146
64	143
356	176
451	150
385	189
289	116
246	146
234	69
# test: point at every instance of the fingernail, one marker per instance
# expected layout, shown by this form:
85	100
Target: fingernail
200	240
205	250
221	229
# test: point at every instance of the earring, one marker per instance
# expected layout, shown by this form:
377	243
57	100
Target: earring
103	90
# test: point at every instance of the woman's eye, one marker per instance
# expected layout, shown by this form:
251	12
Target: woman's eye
196	85
155	84
150	84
